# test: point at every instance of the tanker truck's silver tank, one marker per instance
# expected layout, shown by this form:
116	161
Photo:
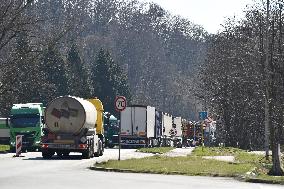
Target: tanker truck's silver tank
70	114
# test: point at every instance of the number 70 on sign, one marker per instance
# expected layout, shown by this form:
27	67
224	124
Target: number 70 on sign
120	103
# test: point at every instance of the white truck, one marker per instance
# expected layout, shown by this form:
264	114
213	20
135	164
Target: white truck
138	126
73	125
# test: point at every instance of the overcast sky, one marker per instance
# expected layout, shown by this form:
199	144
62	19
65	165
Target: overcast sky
208	13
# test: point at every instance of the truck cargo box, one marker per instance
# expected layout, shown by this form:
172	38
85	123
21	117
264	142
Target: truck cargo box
137	124
177	124
166	124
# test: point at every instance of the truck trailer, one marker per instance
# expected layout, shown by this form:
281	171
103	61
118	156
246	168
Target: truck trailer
138	126
176	132
166	126
73	125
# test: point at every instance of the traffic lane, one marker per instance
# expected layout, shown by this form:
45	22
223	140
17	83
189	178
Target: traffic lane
32	162
95	179
32	171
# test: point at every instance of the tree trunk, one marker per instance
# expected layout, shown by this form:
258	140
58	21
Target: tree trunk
277	169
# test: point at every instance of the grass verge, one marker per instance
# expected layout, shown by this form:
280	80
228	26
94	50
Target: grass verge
156	150
4	148
248	167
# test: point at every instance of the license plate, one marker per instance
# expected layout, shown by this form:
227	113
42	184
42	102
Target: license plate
130	141
60	146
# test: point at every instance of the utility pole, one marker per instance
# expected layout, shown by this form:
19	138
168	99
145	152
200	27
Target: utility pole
267	86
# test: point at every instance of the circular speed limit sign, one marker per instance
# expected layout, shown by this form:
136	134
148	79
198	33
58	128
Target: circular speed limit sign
120	103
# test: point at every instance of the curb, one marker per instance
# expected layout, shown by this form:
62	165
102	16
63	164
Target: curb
251	180
256	180
110	169
96	168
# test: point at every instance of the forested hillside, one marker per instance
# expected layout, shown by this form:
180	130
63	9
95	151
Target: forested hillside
98	48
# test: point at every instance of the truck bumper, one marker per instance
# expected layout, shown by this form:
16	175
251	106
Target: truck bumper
64	147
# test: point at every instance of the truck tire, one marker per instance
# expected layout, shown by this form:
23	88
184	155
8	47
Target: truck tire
12	149
46	154
65	154
102	148
86	154
110	145
59	154
99	150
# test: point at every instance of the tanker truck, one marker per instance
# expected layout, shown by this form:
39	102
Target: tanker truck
73	125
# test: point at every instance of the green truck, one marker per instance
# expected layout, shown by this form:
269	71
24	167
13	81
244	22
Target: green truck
4	131
111	129
27	120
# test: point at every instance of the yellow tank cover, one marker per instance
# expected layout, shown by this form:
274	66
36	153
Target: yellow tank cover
100	109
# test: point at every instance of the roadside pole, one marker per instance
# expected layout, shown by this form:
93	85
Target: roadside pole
202	132
120	105
202	116
119	138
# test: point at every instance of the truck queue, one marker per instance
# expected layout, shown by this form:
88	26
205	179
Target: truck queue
72	124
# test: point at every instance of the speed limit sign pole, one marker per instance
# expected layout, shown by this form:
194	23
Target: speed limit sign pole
120	105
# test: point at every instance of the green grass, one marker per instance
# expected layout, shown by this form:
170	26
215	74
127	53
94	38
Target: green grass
156	150
190	165
216	151
4	148
196	165
180	165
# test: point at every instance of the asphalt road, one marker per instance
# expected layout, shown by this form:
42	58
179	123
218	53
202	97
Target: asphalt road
31	171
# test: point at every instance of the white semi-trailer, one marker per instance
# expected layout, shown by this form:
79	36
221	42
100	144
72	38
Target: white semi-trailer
166	125
73	125
176	132
138	126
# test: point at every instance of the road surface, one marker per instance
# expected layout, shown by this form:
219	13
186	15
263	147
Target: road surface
31	171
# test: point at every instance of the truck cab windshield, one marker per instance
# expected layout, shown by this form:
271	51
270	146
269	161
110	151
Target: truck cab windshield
18	121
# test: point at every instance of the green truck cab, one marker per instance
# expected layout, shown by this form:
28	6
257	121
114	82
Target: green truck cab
111	129
27	120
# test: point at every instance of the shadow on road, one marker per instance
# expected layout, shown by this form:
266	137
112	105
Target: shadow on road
70	157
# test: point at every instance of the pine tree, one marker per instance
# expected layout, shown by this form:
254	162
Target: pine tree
109	80
77	74
54	72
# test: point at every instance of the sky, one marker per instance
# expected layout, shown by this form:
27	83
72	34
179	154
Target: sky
208	13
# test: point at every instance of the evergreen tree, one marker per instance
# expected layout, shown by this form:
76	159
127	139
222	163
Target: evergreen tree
54	73
109	80
77	74
119	80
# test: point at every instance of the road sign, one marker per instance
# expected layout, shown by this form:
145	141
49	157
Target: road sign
120	103
202	115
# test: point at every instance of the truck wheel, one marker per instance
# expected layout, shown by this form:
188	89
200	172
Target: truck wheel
65	154
110	145
12	149
47	154
99	151
102	149
59	154
86	154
